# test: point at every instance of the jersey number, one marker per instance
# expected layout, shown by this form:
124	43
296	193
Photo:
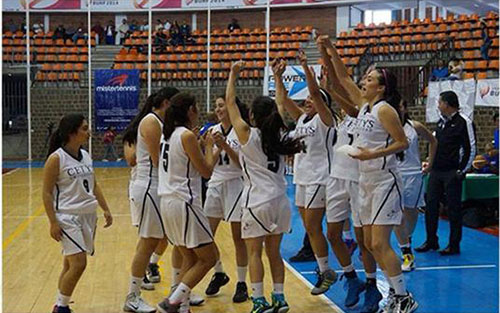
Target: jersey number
273	164
224	159
165	156
86	185
304	148
351	138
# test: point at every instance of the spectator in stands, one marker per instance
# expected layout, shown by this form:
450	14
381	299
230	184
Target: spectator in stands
123	31
59	32
109	139
161	40
38	28
133	26
485	47
495	132
487	163
10	26
97	28
175	35
455	69
233	25
455	153
167	25
145	26
441	72
80	33
159	24
185	31
110	33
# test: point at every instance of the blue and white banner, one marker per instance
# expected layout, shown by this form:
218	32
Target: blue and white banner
294	80
465	90
116	98
487	92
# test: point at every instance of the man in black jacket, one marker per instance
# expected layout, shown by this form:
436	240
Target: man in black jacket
455	153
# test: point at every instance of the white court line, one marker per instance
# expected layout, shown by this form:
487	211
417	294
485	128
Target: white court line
10	172
428	268
308	284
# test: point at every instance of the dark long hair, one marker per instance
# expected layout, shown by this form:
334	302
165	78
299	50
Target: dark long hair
327	98
154	101
177	113
241	106
406	116
68	125
391	95
275	139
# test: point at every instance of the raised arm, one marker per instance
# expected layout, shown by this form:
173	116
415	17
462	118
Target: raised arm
321	107
282	99
341	72
240	126
392	124
425	133
50	174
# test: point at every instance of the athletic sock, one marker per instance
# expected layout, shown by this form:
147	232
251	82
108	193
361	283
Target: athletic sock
176	272
278	289
349	271
242	273
62	300
180	294
322	263
135	285
398	283
257	290
347	234
154	258
218	267
388	279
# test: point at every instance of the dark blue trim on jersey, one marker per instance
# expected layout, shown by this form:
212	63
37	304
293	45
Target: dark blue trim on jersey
225	133
328	150
259	222
72	240
249	181
80	154
234	205
199	221
158	213
150	168
383	202
189	184
186	225
143	206
314	196
399	192
57	197
93	238
386	145
161	121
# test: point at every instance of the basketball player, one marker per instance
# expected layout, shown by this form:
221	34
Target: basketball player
182	165
411	172
266	210
224	199
310	172
151	228
381	137
70	196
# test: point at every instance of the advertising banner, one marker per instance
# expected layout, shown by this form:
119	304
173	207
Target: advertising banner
20	5
465	90
116	98
487	91
294	80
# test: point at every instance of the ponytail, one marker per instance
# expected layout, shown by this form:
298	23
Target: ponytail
68	125
177	113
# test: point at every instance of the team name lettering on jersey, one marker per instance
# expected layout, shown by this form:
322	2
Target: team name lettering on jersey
79	171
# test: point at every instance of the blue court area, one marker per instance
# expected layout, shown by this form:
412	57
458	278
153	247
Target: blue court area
467	283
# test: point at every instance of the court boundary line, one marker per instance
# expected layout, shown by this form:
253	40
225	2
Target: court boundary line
299	275
425	268
11	172
22	227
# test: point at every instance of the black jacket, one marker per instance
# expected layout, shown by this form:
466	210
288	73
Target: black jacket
456	144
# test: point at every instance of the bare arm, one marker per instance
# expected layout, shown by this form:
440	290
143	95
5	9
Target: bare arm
151	132
50	175
282	99
240	126
392	124
129	154
222	144
203	163
324	112
427	135
103	204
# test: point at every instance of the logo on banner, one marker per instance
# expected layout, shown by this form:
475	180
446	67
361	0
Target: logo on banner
117	84
51	4
144	4
484	91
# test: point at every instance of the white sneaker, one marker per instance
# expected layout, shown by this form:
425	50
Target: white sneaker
390	303
195	300
136	304
408	264
146	284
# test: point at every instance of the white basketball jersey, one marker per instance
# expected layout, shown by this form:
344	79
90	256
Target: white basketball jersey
177	175
342	165
411	163
225	169
74	189
309	165
133	173
145	169
372	135
264	178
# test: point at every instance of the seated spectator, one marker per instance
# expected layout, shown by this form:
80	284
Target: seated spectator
99	31
233	25
186	33
487	163
456	69
10	26
441	72
110	33
167	25
79	34
70	31
175	35
123	31
133	26
144	27
485	47
38	28
161	40
159	25
59	32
